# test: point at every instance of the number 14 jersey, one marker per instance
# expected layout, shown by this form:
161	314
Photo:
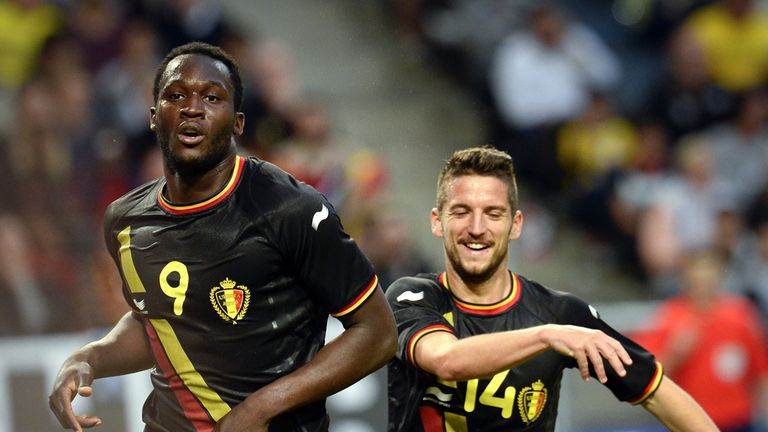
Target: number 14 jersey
523	398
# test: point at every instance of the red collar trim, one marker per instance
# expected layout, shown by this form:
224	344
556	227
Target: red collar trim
490	309
210	202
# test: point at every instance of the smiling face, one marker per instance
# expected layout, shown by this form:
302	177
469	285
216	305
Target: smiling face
476	223
194	118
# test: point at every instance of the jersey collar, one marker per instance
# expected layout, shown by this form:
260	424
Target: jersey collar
237	172
482	309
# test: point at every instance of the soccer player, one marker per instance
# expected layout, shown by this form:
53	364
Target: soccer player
231	268
482	348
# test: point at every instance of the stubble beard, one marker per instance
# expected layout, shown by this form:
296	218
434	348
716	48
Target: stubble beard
195	167
479	275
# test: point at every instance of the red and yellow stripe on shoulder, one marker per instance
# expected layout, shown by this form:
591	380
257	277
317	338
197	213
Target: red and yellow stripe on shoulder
651	387
360	299
420	334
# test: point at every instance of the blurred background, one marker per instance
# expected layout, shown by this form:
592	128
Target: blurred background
638	127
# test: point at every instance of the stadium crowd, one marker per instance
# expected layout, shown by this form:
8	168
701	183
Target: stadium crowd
643	123
646	127
75	89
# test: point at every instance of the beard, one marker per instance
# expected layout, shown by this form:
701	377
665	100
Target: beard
216	151
475	275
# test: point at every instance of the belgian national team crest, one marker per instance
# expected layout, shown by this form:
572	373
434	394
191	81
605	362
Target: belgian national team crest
230	300
531	401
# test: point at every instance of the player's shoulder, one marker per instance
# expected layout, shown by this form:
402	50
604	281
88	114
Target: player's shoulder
421	285
539	296
271	187
135	201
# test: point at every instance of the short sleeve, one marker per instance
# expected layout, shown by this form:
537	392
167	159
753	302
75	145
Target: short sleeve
417	305
327	261
644	374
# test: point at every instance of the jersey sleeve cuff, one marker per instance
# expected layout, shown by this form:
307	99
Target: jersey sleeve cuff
360	299
651	387
420	334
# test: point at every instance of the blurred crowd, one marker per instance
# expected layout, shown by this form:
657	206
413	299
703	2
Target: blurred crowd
75	92
644	124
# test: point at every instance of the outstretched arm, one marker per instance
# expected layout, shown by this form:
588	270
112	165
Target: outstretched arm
368	342
677	410
123	350
442	354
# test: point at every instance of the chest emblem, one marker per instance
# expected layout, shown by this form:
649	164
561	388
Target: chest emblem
230	300
531	401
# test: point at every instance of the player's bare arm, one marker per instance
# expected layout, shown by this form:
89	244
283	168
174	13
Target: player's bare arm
368	342
442	354
123	350
677	410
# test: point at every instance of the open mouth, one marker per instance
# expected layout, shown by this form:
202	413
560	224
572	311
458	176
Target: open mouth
190	134
476	247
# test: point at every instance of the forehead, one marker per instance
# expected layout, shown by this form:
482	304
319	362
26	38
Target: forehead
477	190
196	67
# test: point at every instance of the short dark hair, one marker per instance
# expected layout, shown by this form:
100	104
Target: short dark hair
484	161
208	50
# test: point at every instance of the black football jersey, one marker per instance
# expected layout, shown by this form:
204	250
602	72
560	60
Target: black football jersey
234	291
523	398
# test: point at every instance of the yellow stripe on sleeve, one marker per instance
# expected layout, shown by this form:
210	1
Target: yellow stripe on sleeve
652	386
370	289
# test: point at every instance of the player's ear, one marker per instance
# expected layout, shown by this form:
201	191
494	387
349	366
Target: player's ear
239	124
517	225
152	118
436	223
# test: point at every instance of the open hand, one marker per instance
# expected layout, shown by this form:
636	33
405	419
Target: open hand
74	378
589	346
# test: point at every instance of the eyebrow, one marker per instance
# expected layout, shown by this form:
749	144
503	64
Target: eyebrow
208	83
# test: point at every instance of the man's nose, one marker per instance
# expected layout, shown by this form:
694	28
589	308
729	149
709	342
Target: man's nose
477	224
193	105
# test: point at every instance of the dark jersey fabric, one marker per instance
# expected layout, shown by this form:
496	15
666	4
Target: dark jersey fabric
235	291
524	398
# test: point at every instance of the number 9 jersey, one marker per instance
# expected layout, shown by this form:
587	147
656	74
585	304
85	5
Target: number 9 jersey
235	291
523	398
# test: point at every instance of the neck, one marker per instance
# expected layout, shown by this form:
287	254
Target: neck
488	291
182	189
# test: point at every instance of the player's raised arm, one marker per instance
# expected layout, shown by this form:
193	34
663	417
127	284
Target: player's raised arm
442	354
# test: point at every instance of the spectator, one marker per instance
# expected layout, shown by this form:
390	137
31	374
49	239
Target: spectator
97	26
542	76
734	38
682	216
740	149
123	90
685	98
312	154
25	25
712	344
386	241
594	143
611	209
748	268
